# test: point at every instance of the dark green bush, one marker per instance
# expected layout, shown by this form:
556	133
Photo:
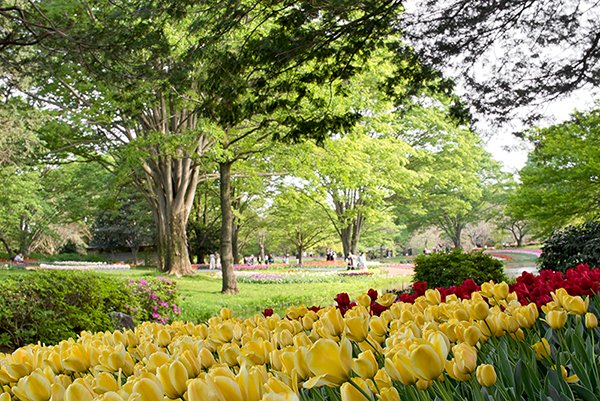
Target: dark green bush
448	269
53	306
569	247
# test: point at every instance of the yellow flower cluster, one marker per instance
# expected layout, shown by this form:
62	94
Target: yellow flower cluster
273	358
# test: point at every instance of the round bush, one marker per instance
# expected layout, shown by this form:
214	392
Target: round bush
448	269
569	247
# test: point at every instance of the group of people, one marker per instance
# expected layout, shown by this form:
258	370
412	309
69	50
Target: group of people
251	260
356	261
330	255
214	261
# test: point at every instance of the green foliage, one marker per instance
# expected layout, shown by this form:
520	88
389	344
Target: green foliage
459	182
560	180
569	247
53	306
445	270
153	299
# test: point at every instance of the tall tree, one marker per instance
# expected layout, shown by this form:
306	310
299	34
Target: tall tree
460	182
559	183
530	51
301	223
162	83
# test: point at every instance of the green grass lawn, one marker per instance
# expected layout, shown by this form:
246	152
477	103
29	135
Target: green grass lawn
200	296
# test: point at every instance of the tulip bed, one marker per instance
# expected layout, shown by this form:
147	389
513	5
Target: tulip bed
487	344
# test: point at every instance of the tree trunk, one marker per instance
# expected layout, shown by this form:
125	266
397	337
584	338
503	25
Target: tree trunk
176	253
8	250
134	252
300	252
456	237
346	237
235	235
261	244
229	281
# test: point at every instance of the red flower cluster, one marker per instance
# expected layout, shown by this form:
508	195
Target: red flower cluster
580	280
343	302
462	291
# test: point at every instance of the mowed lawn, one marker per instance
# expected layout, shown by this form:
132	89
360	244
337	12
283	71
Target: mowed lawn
200	296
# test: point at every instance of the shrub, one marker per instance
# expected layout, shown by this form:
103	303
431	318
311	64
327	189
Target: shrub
445	270
153	300
52	306
572	246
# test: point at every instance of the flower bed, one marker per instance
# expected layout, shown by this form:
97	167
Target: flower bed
304	276
486	346
80	266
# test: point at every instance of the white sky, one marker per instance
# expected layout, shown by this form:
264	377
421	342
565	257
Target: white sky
512	151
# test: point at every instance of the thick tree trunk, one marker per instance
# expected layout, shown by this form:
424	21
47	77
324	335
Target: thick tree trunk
229	281
300	251
346	237
134	253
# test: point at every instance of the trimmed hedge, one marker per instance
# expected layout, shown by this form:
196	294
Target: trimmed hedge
449	269
51	306
572	246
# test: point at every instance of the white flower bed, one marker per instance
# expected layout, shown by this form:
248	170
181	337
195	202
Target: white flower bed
81	266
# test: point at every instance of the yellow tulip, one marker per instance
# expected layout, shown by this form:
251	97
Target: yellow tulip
276	390
203	390
388	394
556	319
509	323
333	323
399	368
378	328
149	389
500	290
173	378
465	358
472	335
79	392
228	353
486	375
559	296
35	387
363	300
349	392
294	312
454	373
105	382
423	384
109	396
382	379
576	305
226	313
207	359
541	349
250	383
157	360
461	314
426	362
387	299
440	343
433	297
479	310
566	377
229	388
357	328
591	321
4	397
365	366
329	362
58	392
76	359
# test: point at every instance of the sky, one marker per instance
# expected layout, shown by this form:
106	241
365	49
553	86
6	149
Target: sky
510	150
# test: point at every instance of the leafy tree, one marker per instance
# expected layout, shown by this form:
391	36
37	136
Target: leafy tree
298	222
148	93
460	182
203	225
559	183
354	176
127	223
531	51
